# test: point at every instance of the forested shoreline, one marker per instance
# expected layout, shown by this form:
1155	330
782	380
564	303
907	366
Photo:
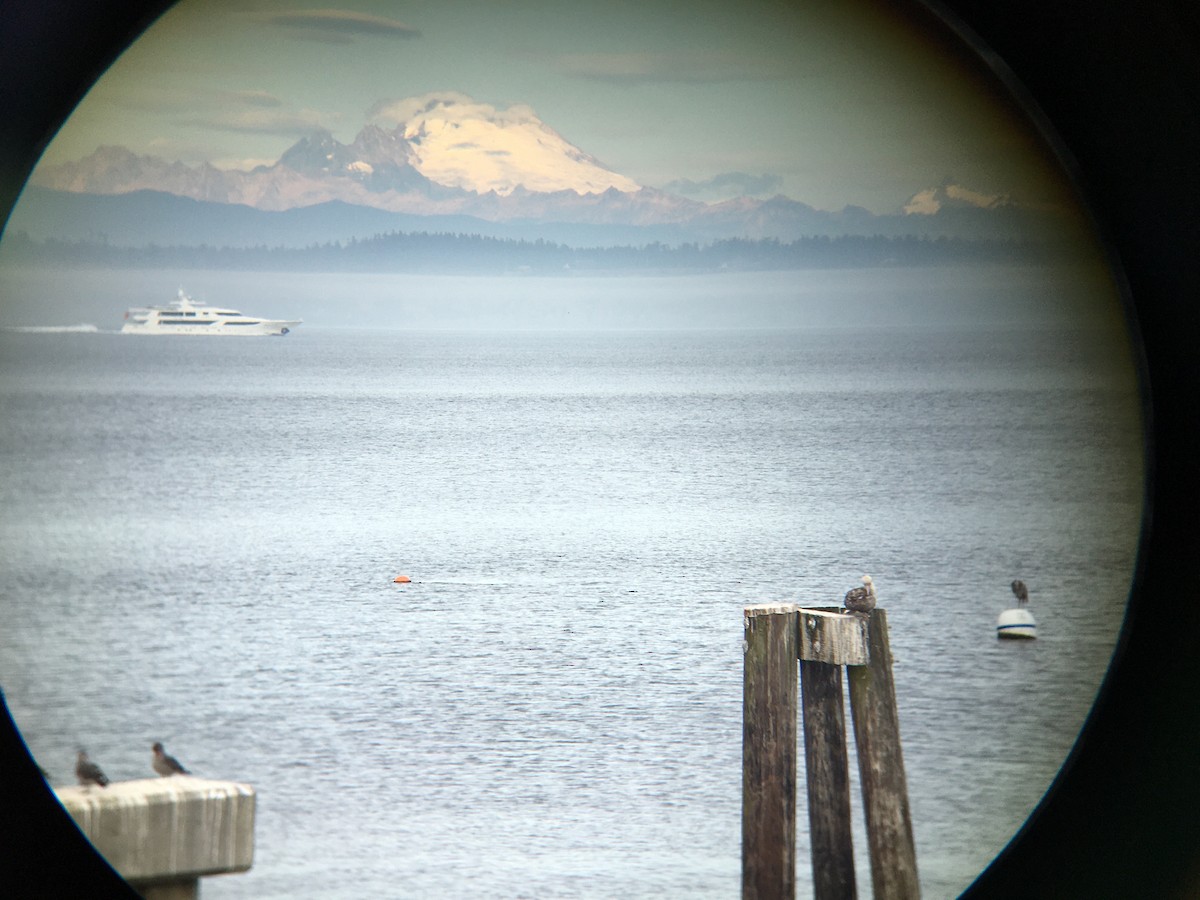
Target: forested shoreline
425	252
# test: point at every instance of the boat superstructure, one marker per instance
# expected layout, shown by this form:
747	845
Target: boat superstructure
186	317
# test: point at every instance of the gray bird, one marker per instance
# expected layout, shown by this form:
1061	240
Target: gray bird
1020	592
164	764
861	599
88	772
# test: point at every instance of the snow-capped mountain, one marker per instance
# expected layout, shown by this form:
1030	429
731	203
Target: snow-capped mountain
456	142
447	152
949	195
445	157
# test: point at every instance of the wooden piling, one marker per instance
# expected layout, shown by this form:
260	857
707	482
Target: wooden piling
829	634
824	639
769	723
881	769
827	771
828	640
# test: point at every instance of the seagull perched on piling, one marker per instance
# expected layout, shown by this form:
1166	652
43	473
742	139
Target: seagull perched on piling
88	772
1020	592
165	764
861	599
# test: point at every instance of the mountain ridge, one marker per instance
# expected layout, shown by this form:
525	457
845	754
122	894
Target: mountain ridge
450	162
144	217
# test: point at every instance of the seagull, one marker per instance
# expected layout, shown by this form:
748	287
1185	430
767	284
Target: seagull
165	764
88	772
1022	595
861	599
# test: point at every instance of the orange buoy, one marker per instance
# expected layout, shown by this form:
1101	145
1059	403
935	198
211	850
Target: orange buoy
401	579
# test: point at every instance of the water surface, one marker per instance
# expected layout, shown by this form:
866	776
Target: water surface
199	537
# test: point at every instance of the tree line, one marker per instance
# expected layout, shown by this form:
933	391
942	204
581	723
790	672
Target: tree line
426	252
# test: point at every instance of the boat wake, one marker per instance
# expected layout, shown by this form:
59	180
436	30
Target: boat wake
52	329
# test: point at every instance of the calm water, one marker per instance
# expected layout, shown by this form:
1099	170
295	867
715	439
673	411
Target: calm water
198	542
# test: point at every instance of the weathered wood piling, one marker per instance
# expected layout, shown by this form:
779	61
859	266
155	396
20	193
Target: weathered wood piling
823	640
881	769
769	754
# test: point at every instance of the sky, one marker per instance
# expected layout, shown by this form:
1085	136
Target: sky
830	103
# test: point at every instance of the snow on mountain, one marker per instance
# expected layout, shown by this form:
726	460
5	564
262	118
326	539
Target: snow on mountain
951	196
458	142
447	155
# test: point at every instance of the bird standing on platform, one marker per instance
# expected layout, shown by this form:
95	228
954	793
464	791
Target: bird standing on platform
861	599
1020	592
165	764
88	772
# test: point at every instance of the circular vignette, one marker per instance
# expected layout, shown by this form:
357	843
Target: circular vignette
1113	84
1117	86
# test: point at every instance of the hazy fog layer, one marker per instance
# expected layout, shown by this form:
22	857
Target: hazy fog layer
955	297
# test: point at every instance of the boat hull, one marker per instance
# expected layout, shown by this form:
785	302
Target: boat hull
255	329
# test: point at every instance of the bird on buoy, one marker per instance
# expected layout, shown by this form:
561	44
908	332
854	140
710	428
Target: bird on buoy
165	764
88	772
1020	592
861	599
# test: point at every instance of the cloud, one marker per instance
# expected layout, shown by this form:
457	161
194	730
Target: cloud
242	112
258	121
681	67
253	98
340	26
451	106
242	163
726	186
397	112
167	101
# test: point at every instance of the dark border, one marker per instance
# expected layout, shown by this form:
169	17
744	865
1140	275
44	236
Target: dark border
51	52
1119	84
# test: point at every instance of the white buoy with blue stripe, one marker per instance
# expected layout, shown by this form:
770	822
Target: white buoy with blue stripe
1017	622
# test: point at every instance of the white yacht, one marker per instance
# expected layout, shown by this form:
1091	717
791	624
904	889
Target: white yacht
185	317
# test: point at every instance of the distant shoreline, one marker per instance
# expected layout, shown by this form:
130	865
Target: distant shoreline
475	254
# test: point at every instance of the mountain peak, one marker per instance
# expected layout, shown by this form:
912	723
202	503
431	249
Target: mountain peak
378	146
318	154
447	154
948	195
458	142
